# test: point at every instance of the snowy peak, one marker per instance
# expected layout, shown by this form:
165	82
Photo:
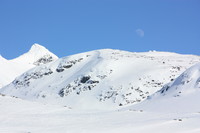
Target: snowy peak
36	55
36	47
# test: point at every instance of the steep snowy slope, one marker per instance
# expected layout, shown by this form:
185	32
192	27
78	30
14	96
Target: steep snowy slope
181	95
10	69
100	78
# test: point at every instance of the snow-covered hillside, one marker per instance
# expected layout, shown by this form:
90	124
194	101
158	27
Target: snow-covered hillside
100	79
21	116
105	81
185	84
10	69
181	95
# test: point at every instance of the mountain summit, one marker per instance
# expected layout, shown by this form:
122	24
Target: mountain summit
36	55
10	69
35	47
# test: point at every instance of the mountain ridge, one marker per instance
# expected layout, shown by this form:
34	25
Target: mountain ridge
103	78
10	69
35	53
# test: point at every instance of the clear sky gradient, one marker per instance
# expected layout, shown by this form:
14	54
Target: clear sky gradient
68	27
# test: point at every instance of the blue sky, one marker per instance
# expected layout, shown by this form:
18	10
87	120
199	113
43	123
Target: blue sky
68	27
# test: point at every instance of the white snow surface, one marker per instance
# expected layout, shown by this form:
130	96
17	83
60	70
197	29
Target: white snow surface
100	79
82	93
20	116
186	84
10	69
180	96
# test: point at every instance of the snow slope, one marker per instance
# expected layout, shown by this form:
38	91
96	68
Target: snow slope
5	75
101	79
181	95
173	108
186	84
20	116
10	69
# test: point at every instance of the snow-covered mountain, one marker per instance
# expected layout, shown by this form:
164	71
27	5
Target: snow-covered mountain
37	55
180	95
164	111
102	78
10	69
